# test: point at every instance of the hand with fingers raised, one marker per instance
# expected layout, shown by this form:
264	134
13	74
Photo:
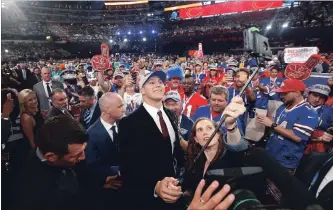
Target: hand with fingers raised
205	201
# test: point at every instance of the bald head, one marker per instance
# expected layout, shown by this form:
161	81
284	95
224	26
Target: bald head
112	106
108	99
46	74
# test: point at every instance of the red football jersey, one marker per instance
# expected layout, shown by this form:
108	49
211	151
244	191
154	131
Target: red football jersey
192	103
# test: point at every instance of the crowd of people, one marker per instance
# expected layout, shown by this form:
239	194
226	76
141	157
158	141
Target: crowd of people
30	51
128	137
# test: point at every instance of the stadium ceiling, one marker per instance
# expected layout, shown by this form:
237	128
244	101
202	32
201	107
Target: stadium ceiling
121	3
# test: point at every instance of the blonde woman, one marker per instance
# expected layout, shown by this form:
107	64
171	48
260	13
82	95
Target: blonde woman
31	118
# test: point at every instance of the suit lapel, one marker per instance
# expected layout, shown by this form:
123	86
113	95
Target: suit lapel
148	119
105	135
174	122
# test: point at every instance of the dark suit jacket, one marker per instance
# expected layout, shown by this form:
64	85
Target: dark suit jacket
102	155
27	83
55	112
95	116
306	171
145	158
43	100
5	130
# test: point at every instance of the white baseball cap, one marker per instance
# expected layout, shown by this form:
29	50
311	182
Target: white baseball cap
174	95
144	78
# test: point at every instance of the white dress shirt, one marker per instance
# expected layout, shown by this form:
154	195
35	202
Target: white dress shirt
153	113
24	74
108	127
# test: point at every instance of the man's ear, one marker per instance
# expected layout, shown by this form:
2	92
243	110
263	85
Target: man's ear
51	157
142	91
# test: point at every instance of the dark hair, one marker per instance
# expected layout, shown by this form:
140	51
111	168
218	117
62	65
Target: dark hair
244	70
87	91
188	76
194	148
57	133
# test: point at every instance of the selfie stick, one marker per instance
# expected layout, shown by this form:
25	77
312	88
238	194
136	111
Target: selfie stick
181	180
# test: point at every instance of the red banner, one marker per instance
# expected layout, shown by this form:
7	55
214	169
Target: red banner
228	7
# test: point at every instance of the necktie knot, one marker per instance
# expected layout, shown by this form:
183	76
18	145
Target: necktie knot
113	128
159	113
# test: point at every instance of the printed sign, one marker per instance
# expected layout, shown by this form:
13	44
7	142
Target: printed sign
299	54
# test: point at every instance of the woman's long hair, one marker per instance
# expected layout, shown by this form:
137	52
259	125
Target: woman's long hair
194	147
21	98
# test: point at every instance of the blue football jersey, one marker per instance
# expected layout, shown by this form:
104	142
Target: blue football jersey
302	120
272	85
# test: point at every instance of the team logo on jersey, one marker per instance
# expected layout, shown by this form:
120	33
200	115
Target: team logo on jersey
183	131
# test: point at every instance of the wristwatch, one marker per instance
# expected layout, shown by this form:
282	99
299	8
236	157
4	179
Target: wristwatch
273	125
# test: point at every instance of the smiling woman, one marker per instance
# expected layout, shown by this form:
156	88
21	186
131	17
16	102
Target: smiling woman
31	119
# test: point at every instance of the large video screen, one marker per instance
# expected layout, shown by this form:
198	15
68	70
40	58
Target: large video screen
227	7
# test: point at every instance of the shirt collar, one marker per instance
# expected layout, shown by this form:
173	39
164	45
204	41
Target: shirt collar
152	110
107	125
94	106
50	82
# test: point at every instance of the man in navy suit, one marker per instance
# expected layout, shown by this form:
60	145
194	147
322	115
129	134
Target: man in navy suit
102	151
91	111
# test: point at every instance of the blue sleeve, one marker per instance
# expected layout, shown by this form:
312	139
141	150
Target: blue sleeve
305	125
242	145
196	115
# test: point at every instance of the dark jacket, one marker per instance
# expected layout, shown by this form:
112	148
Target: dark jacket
55	112
45	186
5	130
311	171
102	154
94	117
146	158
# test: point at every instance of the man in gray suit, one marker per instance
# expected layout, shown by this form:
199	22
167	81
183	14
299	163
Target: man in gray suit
60	104
44	89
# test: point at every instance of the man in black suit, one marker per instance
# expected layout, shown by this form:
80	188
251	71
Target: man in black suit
150	149
91	111
25	77
102	151
60	104
52	177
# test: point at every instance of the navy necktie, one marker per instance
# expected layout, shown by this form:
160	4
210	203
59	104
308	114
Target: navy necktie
115	135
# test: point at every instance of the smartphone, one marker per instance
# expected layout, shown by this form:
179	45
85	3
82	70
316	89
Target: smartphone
230	73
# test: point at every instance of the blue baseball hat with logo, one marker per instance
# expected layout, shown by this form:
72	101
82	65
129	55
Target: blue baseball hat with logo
322	89
172	95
